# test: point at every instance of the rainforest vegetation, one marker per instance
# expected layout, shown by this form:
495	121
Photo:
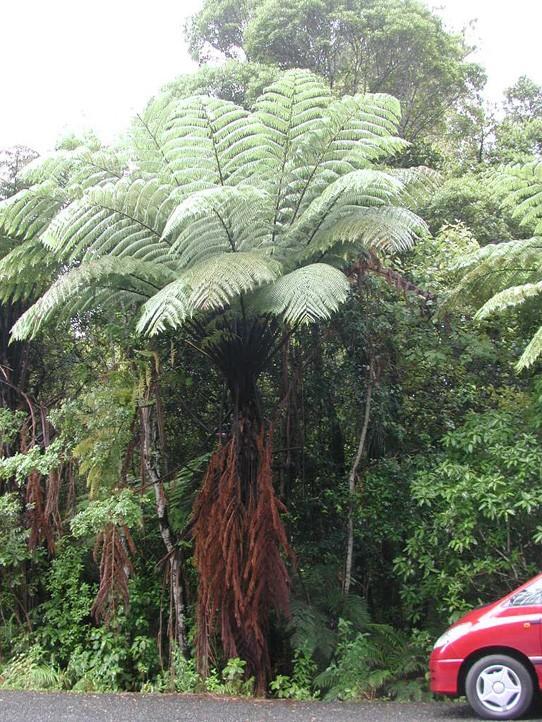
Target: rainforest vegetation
270	411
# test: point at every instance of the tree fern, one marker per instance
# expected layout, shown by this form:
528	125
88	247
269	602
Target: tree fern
502	276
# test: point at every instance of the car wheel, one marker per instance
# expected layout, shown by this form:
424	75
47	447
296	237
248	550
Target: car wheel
499	687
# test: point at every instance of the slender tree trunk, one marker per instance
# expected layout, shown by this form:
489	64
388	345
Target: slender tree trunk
352	481
151	465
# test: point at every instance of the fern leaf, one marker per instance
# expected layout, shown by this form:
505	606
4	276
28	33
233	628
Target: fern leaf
508	298
218	220
306	295
209	285
124	219
354	132
496	267
26	271
387	229
199	141
358	189
28	213
532	352
76	287
215	281
166	309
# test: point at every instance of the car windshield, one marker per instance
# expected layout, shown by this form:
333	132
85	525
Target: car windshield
528	596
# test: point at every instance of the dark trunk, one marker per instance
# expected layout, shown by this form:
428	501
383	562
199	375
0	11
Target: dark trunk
238	533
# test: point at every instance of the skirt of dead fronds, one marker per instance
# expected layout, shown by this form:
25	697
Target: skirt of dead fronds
115	549
240	546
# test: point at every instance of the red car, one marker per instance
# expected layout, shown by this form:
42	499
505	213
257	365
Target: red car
493	655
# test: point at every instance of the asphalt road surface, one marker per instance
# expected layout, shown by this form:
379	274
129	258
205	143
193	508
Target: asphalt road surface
53	707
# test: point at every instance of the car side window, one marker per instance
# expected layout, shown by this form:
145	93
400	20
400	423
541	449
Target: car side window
527	597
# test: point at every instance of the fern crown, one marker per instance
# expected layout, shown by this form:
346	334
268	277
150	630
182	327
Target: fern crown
209	204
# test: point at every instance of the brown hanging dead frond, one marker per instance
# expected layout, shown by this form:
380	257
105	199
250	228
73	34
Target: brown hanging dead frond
115	549
40	530
38	521
240	544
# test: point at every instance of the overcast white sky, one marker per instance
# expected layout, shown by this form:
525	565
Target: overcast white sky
69	65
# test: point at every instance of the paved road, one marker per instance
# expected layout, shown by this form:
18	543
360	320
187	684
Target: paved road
53	707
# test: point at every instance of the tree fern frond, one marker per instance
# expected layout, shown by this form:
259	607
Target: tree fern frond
497	266
306	295
26	271
76	169
419	183
291	107
522	186
95	168
218	220
28	213
209	285
199	141
362	188
354	132
387	229
75	286
166	309
532	352
124	219
290	110
215	281
513	296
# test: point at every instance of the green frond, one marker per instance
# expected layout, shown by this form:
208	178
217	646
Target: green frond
198	142
291	107
513	296
353	133
26	271
209	285
419	184
216	281
532	352
95	168
77	287
28	213
522	187
388	229
306	295
51	167
218	220
498	266
126	219
166	309
359	189
75	170
290	110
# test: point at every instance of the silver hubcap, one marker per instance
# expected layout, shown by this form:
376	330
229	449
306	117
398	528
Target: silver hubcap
498	688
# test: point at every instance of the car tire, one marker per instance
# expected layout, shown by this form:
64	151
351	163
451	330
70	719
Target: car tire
499	687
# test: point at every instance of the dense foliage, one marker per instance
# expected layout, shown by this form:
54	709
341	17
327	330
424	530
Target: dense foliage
261	422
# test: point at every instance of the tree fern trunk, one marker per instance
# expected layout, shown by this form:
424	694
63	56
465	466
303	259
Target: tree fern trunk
240	541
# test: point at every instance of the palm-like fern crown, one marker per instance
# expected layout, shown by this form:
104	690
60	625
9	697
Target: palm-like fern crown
218	204
500	276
